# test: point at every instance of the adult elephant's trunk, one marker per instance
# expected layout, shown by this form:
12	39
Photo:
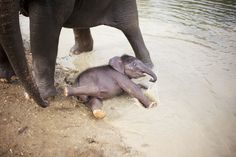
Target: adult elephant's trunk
11	41
148	71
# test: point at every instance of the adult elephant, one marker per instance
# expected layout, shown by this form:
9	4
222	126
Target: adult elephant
47	17
12	54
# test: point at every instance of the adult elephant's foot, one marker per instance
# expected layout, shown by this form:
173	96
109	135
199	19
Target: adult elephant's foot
83	41
6	72
81	47
48	93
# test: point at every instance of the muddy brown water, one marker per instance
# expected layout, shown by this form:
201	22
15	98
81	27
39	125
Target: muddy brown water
192	44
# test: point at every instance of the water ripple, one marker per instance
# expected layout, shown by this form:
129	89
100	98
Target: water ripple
213	22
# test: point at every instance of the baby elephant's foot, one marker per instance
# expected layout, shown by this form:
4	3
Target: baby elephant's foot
96	107
99	114
153	104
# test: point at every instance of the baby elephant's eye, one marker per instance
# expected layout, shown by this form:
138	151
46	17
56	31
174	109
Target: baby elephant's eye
134	64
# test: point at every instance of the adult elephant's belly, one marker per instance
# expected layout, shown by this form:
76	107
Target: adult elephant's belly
87	15
82	22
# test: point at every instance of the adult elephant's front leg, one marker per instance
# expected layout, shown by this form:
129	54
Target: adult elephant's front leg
135	38
44	38
6	70
83	41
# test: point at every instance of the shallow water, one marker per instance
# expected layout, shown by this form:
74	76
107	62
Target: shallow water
192	44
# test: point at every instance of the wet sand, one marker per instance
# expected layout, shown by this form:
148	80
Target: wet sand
65	129
196	115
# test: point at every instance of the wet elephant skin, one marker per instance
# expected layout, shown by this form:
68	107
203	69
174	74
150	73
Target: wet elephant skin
104	82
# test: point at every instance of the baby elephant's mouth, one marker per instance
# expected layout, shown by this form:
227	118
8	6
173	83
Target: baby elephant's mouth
150	73
140	74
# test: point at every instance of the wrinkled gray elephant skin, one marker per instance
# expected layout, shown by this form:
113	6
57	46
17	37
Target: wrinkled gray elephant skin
12	55
104	82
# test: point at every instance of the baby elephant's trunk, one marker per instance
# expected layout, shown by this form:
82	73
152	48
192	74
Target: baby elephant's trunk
151	73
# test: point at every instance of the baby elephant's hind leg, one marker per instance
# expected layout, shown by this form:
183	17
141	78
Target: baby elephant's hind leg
96	106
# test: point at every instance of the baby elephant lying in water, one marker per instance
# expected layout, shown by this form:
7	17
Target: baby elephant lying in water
104	82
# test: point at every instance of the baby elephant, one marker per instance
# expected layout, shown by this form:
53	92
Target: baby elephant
104	82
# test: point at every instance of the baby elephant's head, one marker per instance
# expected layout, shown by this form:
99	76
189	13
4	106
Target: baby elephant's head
132	67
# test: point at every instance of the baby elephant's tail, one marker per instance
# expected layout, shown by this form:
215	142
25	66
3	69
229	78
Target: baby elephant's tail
82	90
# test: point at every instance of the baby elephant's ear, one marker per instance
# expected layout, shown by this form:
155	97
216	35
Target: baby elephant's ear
117	64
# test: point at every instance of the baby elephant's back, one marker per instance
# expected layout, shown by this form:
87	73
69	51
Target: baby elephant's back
93	76
102	78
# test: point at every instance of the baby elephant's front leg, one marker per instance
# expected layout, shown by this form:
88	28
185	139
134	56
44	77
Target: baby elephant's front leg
134	90
137	93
